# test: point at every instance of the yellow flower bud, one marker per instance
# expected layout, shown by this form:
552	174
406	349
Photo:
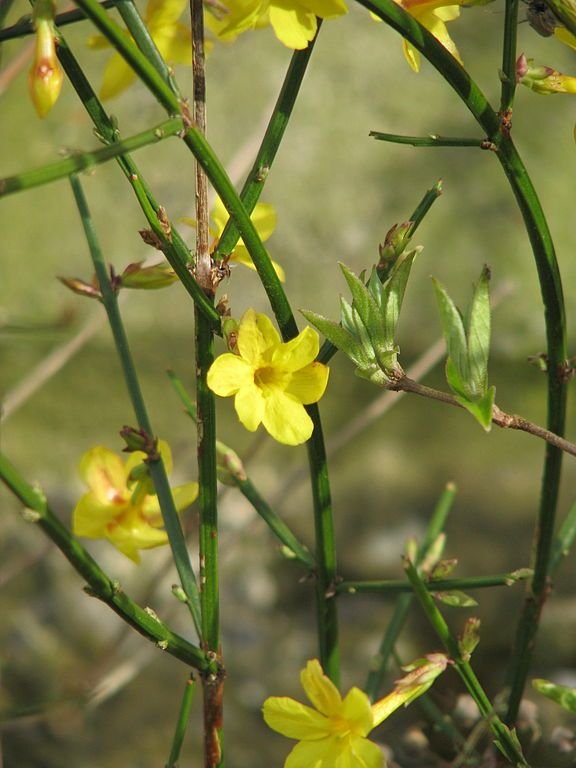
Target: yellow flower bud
45	76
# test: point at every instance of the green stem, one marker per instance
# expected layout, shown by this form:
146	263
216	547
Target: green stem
25	25
551	290
156	465
145	70
276	524
393	587
428	141
326	608
80	161
230	464
509	56
173	247
272	138
144	40
502	735
100	585
206	419
396	623
182	723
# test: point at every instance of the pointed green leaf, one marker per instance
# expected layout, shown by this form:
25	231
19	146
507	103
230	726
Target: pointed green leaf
365	304
481	408
393	294
340	337
478	334
453	330
561	694
346	317
456	384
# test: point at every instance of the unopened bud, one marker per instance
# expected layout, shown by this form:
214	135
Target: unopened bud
147	278
45	76
229	465
543	80
469	638
81	287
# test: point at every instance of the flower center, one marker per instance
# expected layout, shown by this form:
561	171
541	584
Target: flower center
270	377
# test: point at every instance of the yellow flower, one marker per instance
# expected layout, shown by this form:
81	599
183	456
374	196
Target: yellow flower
119	507
172	38
271	380
45	75
432	14
294	21
333	733
264	219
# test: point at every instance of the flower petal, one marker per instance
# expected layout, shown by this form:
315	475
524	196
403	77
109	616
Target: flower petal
250	406
286	419
293	719
326	9
357	711
322	753
293	25
298	352
241	256
118	75
264	219
90	517
163	13
309	384
229	373
256	337
365	754
104	473
321	690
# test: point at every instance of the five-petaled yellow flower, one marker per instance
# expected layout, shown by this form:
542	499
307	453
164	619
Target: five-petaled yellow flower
119	507
294	21
172	38
332	733
432	14
264	219
271	380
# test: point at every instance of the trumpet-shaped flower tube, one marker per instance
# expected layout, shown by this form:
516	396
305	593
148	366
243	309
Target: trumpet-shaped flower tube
121	509
333	732
271	381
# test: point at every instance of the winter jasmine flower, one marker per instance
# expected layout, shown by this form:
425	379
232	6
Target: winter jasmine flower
271	381
121	508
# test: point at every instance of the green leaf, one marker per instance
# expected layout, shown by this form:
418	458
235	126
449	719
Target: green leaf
456	384
456	598
393	294
340	337
478	335
365	304
454	333
481	408
561	694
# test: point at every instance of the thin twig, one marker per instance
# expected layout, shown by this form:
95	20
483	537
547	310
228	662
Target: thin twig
499	417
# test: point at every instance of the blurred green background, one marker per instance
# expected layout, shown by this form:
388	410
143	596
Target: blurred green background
78	689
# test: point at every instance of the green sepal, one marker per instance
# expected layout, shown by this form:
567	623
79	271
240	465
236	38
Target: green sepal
481	408
561	694
455	598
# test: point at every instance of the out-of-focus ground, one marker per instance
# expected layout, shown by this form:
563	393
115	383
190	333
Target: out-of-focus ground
76	688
